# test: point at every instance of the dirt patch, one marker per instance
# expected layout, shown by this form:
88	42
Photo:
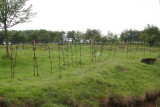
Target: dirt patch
150	100
2	102
148	60
121	47
121	69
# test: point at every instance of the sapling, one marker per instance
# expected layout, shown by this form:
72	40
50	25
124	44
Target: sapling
15	60
67	49
50	58
130	49
11	48
95	51
99	53
136	51
127	51
115	50
23	45
76	50
155	48
64	63
150	50
110	50
144	50
80	55
35	65
90	51
71	54
59	57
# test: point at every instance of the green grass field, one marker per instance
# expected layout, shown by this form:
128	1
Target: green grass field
115	77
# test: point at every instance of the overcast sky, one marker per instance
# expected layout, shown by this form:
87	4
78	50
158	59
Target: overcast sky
105	15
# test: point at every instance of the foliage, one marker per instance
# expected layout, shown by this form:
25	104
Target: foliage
130	36
18	37
92	35
112	37
79	37
72	35
43	36
12	12
151	34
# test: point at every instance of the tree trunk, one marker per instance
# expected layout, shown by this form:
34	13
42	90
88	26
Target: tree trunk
6	34
72	41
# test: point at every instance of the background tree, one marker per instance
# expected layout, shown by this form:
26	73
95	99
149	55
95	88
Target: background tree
104	39
43	36
59	38
151	34
97	36
112	37
71	34
12	12
130	36
52	35
78	36
33	36
17	37
89	34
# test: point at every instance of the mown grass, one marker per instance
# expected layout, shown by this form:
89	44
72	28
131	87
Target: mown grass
113	78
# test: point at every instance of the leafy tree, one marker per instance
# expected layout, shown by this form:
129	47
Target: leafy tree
112	37
123	36
78	36
104	39
17	37
130	36
89	34
151	34
92	35
12	12
33	36
52	35
97	36
71	34
43	36
59	37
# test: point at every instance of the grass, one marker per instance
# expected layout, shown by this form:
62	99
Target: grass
116	79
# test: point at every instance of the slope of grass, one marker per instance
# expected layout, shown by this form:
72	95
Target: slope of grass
115	79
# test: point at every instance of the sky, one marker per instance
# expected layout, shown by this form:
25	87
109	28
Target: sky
104	15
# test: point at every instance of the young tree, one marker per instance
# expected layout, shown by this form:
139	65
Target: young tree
12	12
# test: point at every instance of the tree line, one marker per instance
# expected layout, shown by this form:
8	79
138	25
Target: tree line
150	35
44	36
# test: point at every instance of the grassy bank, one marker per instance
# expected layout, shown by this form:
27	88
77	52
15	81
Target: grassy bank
114	78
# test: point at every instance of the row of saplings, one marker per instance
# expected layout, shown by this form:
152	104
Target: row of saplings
93	56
